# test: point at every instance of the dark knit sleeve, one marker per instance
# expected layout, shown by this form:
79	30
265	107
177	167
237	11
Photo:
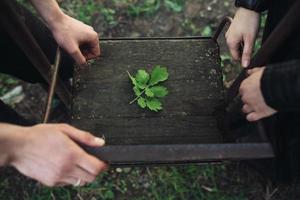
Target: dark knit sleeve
280	86
255	5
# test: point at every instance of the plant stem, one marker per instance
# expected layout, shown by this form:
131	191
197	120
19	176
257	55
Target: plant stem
136	98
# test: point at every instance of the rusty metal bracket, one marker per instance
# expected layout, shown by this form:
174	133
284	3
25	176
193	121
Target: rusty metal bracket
224	22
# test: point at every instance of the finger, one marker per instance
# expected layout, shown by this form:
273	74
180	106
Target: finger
247	109
67	181
241	90
253	117
91	28
92	51
245	99
81	136
78	57
234	48
81	173
91	164
93	48
247	52
71	181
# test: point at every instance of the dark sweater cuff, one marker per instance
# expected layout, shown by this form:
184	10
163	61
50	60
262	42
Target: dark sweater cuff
280	86
255	5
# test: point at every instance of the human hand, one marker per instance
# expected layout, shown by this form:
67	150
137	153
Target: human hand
254	104
242	34
77	38
48	153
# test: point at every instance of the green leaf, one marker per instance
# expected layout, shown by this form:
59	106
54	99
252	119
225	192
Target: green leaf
137	91
207	31
153	104
146	89
135	82
109	194
159	91
142	77
158	74
174	5
142	102
149	93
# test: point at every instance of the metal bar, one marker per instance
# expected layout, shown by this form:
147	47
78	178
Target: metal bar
155	38
11	22
225	21
52	86
181	153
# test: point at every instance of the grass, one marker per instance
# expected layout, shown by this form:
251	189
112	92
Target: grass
160	183
6	82
85	10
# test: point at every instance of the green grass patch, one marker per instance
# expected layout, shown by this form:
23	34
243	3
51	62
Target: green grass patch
6	82
159	183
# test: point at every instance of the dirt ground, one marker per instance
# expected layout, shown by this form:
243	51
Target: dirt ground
234	180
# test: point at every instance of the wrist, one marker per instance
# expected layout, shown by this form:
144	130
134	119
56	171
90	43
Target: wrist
55	20
247	11
49	11
11	140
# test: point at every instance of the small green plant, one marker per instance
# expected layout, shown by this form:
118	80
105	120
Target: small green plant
207	31
6	83
174	5
147	89
138	8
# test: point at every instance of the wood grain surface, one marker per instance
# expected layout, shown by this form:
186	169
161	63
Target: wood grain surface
103	91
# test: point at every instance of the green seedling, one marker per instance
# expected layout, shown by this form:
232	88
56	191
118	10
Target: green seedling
147	88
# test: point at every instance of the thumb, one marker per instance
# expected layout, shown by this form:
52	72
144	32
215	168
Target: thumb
82	136
247	52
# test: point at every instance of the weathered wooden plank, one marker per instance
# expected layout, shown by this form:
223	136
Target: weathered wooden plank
159	130
103	92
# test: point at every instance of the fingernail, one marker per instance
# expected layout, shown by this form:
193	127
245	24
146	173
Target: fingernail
99	141
245	63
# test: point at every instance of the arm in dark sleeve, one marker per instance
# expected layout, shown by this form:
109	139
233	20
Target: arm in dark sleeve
255	5
280	86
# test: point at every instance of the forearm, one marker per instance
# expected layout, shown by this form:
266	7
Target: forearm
280	85
10	140
49	11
